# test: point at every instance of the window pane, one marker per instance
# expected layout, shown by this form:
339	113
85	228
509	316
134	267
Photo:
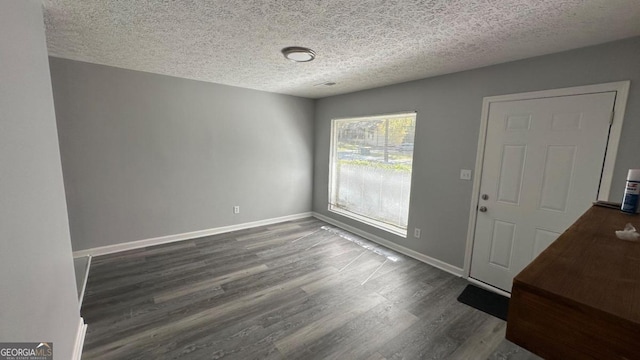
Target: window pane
371	169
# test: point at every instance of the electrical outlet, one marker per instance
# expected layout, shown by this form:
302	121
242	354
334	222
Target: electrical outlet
236	209
416	233
465	174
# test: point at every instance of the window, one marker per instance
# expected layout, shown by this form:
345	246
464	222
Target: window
370	169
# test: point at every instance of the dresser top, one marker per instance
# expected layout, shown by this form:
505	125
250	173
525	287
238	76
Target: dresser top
588	266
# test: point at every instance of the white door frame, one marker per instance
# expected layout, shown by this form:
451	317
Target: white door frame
622	89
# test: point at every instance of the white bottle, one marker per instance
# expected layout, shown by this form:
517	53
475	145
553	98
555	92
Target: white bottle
631	197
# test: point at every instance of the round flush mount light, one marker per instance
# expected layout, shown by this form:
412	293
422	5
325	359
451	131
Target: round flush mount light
298	53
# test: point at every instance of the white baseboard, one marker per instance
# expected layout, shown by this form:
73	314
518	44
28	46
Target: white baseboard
82	331
84	282
109	249
393	246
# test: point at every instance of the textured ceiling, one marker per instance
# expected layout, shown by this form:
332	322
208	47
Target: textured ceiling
360	44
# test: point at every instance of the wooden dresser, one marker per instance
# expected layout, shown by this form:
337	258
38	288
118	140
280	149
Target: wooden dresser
580	298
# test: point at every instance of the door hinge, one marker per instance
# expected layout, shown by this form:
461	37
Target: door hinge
611	120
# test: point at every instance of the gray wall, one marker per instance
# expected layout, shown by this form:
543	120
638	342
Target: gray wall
146	155
447	131
37	288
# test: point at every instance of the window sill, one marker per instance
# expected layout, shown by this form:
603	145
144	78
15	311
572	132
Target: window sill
402	232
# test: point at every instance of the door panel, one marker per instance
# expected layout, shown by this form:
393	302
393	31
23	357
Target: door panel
542	165
558	171
511	170
502	243
543	238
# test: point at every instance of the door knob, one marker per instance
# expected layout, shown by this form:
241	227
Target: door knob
482	209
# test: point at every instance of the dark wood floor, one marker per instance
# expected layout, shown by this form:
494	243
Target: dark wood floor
300	289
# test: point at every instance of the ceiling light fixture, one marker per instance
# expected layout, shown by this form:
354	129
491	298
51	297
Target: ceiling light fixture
298	53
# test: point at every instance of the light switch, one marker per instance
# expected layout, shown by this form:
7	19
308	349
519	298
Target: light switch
465	174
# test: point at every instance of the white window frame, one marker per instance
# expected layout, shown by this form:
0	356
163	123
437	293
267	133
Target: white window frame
397	230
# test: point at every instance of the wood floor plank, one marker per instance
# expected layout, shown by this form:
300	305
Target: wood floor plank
304	337
258	335
201	318
296	290
483	342
376	356
510	351
354	340
107	298
449	334
208	283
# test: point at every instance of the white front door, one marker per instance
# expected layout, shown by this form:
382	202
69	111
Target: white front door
542	166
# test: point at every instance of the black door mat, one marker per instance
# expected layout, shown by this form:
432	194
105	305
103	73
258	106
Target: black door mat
486	301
